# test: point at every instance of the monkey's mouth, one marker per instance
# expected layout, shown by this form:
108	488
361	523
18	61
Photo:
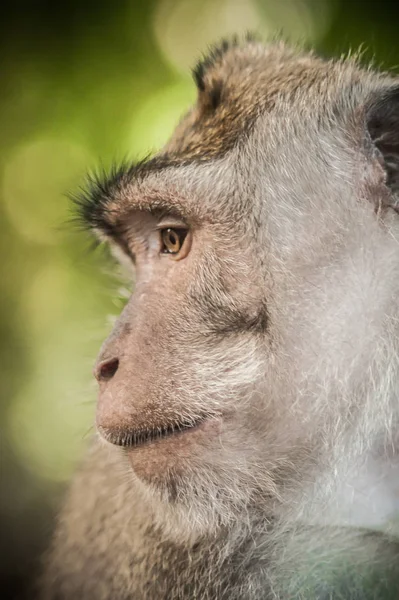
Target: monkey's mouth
139	437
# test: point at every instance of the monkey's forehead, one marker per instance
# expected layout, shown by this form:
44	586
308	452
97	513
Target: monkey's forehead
237	86
239	82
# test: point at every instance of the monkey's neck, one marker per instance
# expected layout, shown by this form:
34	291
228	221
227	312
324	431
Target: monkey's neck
364	494
279	560
369	497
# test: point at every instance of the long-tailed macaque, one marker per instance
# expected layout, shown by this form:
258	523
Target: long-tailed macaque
248	406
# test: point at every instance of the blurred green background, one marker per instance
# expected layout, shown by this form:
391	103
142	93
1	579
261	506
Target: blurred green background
83	85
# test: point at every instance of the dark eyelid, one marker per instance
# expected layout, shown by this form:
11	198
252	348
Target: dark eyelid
169	216
171	223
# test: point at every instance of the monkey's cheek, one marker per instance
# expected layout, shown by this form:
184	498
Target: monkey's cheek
158	461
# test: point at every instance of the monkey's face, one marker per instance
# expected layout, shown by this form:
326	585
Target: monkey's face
178	376
257	318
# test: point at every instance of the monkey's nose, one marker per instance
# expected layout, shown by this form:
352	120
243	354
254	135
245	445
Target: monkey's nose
106	369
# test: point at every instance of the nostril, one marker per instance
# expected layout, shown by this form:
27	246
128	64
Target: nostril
106	369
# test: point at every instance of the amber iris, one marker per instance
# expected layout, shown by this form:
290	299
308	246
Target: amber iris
172	240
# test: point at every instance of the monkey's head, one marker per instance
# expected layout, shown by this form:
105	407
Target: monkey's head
262	240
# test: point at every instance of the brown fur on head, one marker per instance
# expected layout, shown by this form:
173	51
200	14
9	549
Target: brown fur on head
270	339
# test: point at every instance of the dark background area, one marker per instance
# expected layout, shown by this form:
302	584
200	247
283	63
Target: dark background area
82	85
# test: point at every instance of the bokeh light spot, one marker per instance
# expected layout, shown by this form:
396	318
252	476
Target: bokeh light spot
36	178
185	28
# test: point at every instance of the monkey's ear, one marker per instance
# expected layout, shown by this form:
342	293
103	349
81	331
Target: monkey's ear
382	120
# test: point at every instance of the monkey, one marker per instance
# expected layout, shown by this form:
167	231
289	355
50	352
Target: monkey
247	417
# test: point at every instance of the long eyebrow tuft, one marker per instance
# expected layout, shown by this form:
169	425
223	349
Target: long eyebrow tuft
94	201
92	198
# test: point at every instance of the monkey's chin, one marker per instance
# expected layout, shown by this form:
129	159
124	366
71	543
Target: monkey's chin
160	460
190	483
174	477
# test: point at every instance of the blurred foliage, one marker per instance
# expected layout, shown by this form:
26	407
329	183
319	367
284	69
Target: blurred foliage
85	85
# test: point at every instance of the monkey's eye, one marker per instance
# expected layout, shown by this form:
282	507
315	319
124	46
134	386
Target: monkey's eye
173	241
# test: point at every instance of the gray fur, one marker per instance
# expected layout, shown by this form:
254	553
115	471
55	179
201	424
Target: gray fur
281	326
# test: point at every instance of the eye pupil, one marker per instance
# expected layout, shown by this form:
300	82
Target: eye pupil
172	240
